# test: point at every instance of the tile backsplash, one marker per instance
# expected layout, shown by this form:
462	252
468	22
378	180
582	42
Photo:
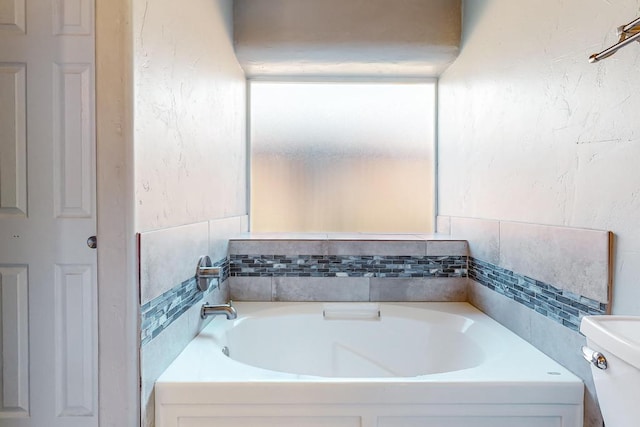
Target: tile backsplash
169	300
160	312
169	256
389	268
559	305
347	266
575	260
395	268
556	275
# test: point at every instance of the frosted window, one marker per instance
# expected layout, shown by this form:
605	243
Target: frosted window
353	157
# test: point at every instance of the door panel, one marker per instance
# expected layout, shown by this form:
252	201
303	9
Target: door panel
74	340
12	16
14	333
73	17
73	140
13	140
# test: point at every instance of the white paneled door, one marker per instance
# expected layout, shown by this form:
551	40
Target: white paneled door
48	285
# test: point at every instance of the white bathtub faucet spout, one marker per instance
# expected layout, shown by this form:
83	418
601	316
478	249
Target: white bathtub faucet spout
216	309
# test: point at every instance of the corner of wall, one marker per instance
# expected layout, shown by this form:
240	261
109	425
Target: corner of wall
117	292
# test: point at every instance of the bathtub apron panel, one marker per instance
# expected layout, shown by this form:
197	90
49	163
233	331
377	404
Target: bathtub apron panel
416	364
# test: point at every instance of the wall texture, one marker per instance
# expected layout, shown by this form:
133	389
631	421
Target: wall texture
117	293
530	131
189	114
190	174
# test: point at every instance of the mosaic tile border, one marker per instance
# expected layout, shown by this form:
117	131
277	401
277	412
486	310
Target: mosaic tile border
564	307
162	311
347	266
561	306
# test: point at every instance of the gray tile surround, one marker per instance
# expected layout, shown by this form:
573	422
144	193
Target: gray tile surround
251	288
316	278
563	307
558	342
170	306
320	289
338	268
352	245
243	288
577	260
416	290
169	256
157	314
348	278
157	354
347	266
384	271
367	274
483	237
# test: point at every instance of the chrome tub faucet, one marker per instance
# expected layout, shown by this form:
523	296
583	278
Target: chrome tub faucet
218	309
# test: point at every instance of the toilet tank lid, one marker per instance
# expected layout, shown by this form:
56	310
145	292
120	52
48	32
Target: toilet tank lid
619	335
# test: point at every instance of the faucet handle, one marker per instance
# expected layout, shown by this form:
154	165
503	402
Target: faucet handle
210	272
205	271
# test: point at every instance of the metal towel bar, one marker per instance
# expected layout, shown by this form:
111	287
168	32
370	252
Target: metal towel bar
627	34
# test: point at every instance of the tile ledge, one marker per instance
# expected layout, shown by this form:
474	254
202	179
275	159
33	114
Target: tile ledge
391	237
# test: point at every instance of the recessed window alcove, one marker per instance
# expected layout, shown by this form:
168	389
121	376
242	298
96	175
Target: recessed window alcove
342	156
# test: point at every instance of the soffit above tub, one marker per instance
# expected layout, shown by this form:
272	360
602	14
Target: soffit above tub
346	38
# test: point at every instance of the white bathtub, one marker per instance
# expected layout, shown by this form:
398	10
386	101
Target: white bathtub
416	364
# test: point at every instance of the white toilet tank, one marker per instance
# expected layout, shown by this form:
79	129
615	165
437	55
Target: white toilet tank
613	347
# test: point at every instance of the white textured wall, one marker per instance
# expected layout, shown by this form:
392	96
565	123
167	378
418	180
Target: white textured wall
530	131
189	142
189	114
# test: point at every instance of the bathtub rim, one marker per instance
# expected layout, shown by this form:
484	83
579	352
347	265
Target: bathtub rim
189	380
